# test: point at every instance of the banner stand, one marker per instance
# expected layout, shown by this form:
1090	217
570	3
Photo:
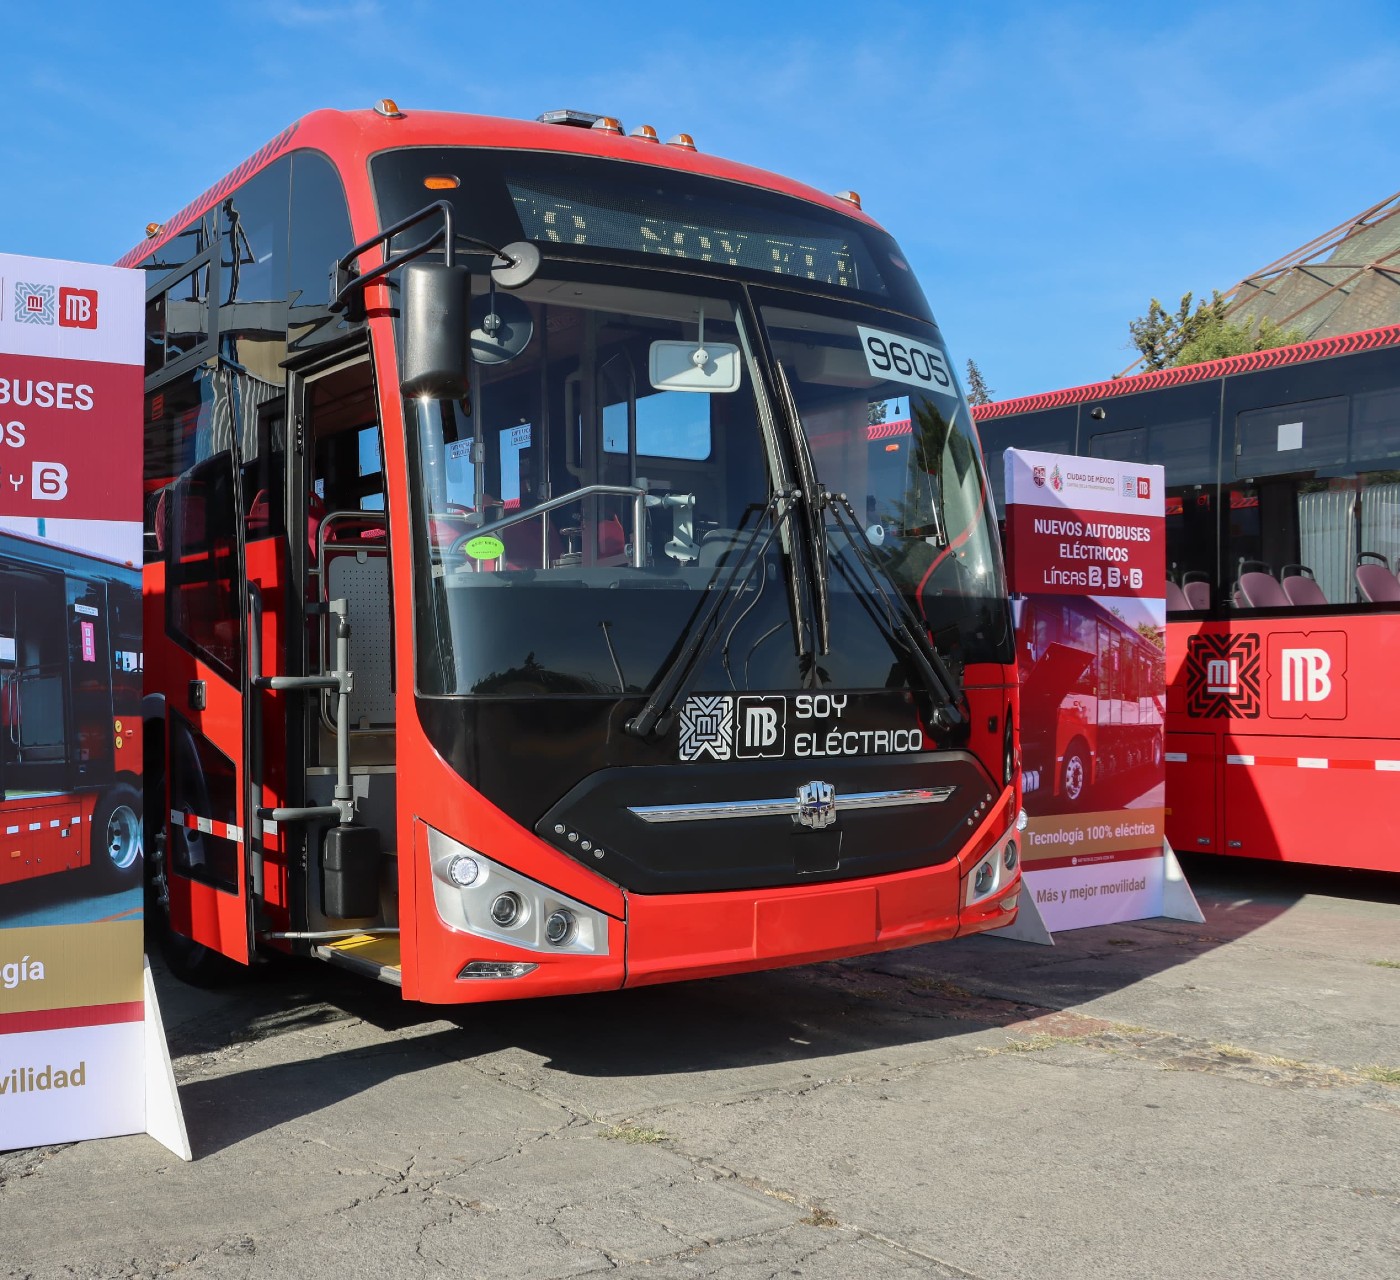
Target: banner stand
1028	925
1178	902
165	1120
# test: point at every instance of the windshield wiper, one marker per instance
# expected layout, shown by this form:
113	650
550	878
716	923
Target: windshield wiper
904	627
656	714
816	522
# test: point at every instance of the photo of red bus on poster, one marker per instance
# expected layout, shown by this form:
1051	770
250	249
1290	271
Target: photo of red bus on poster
1086	567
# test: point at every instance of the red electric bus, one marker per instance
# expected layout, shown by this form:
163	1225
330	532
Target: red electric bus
70	713
523	615
1283	532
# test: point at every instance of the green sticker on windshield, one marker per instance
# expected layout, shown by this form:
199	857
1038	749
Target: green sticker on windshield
485	547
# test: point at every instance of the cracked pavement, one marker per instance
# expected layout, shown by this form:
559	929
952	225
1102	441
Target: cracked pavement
1147	1099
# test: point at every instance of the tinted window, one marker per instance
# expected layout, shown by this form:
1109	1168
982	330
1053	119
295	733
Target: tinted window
1174	428
253	274
320	235
1051	431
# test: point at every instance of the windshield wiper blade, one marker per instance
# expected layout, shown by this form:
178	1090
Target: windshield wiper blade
915	640
655	715
816	522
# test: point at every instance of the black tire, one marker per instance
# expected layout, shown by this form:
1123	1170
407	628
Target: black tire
1074	773
117	837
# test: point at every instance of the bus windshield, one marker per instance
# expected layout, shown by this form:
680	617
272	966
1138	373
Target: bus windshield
573	514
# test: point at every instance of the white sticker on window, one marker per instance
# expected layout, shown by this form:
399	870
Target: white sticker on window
1290	435
893	356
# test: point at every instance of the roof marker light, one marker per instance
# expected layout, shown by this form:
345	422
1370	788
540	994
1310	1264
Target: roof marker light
567	115
850	197
682	140
646	133
389	109
607	124
152	230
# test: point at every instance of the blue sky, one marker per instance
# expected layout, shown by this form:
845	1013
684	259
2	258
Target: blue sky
1048	168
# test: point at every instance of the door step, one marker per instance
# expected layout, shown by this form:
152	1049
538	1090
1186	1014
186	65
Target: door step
374	955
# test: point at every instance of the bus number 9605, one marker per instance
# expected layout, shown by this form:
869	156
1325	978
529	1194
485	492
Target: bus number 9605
889	355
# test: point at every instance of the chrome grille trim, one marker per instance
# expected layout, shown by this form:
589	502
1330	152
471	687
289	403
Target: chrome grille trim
708	811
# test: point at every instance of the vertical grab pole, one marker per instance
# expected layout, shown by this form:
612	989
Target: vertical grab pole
639	529
344	800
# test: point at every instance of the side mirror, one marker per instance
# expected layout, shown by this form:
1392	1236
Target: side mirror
436	359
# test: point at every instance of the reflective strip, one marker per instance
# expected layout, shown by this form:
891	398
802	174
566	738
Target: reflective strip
1316	762
54	822
12	831
36	826
208	826
708	810
1176	757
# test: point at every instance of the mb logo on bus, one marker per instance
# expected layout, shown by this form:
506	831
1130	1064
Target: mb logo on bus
761	727
1307	675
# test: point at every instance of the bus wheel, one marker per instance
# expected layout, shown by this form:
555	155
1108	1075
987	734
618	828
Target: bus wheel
117	837
1074	781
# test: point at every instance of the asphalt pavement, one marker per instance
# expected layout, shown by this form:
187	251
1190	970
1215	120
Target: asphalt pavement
1141	1100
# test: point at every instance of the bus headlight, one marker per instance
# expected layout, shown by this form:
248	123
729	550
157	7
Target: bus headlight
507	910
560	927
463	871
478	895
995	872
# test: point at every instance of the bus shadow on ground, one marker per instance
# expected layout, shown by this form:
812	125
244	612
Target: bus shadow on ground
792	1016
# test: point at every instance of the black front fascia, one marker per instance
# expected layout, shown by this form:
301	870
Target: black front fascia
550	761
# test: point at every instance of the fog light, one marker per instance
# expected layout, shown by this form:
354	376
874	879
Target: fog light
497	969
1008	858
982	879
560	927
1009	903
507	910
463	871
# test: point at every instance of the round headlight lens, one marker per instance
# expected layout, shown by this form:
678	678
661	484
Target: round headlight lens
560	927
1009	857
982	880
507	909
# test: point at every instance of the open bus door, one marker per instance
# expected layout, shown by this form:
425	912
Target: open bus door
206	599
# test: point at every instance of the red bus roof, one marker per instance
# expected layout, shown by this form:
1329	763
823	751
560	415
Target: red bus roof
351	137
1318	349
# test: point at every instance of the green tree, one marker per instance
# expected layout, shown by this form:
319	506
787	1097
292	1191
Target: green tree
1161	335
1223	337
978	392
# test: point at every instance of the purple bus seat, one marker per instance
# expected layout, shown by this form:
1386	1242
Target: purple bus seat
1377	583
1262	591
1176	599
1198	594
1303	592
